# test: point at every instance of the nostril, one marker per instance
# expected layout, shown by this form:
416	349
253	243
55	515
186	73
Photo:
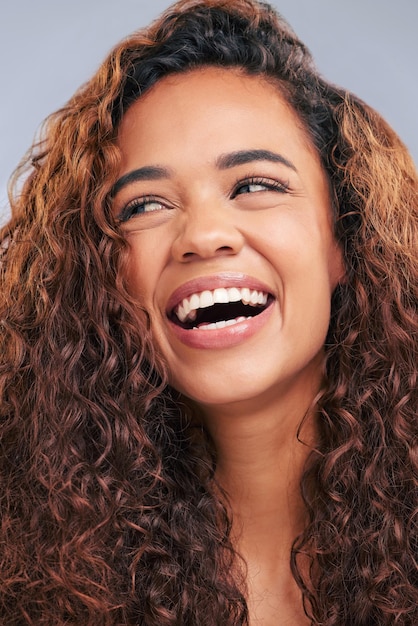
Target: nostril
220	250
201	240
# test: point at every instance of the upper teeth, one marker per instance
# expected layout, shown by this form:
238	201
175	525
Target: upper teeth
187	308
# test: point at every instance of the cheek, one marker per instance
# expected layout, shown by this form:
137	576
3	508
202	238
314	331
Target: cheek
135	279
309	265
295	247
141	269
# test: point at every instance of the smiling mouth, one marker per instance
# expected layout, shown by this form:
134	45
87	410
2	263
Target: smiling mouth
219	308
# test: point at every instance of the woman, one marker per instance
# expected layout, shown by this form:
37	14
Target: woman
209	382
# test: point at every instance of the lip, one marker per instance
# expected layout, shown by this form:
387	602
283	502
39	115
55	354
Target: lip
225	279
224	337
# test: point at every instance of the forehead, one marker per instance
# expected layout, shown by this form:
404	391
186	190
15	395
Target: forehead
210	110
222	90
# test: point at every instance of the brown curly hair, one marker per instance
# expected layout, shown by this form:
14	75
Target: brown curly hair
110	513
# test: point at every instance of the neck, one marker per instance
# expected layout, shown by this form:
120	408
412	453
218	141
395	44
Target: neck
260	461
261	447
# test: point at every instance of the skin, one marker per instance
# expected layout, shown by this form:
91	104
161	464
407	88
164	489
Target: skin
210	222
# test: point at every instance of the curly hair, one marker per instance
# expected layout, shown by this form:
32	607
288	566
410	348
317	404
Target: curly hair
110	513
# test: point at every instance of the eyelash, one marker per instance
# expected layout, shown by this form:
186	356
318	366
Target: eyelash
128	210
270	185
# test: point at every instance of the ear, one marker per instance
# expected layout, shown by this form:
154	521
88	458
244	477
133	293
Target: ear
337	271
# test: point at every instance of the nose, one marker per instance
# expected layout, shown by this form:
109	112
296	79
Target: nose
206	232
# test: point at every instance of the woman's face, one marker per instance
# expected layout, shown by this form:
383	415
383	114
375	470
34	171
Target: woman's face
227	213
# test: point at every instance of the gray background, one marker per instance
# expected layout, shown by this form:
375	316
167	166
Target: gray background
49	47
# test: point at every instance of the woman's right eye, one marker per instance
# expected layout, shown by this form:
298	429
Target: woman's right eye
138	206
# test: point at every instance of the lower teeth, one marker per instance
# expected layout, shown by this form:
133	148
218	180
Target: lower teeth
221	324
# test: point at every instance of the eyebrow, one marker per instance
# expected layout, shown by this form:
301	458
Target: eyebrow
241	157
223	162
148	172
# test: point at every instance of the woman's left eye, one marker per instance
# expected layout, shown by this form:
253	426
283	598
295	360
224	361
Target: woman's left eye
255	185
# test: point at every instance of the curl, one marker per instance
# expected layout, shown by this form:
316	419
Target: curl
110	512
